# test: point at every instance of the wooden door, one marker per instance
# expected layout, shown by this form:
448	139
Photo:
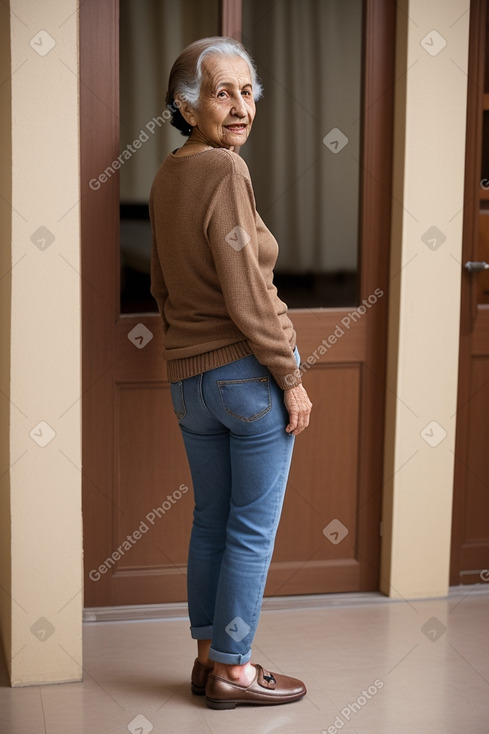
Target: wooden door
137	489
470	531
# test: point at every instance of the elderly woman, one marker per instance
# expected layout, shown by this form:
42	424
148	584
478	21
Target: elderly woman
232	363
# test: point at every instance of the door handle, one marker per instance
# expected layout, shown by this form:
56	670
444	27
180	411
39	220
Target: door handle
476	267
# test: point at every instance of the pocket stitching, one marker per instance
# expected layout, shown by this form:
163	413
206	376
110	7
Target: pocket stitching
256	416
181	413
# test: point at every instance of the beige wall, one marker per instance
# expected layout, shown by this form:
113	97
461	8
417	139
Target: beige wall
5	293
44	639
424	295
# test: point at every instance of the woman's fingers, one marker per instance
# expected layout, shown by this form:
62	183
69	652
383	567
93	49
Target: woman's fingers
299	408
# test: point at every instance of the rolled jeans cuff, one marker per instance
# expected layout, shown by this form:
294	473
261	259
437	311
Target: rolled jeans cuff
201	633
229	658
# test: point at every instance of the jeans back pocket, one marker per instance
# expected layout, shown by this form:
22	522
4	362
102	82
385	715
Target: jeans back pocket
248	399
176	389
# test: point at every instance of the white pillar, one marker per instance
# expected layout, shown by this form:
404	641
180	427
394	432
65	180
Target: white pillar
423	346
42	582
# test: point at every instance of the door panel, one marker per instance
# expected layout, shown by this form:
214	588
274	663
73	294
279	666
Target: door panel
476	523
154	514
134	462
324	481
470	527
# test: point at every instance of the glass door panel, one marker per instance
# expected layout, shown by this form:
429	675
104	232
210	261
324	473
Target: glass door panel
152	34
303	152
304	149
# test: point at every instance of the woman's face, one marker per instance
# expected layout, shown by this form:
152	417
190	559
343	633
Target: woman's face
226	107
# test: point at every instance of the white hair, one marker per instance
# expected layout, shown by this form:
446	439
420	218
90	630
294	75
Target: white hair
186	75
190	90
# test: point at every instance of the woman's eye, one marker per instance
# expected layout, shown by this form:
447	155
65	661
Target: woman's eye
221	94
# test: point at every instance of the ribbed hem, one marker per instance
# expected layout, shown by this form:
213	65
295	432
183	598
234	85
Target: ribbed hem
287	382
181	369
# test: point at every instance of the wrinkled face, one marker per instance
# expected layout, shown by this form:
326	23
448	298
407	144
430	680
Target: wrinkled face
226	107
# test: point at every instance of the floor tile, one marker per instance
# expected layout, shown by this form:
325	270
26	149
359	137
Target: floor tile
383	668
21	710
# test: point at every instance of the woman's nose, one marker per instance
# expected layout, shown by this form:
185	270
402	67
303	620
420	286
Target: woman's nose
239	108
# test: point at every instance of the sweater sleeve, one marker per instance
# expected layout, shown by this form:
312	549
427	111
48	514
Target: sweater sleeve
244	266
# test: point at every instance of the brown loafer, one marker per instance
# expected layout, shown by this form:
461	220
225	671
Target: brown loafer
198	681
266	689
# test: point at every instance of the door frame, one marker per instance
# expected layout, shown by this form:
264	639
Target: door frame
104	329
472	332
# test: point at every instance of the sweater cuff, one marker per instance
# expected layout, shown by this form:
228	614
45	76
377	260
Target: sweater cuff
287	382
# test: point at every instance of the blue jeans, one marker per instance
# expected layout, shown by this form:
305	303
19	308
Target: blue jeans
233	421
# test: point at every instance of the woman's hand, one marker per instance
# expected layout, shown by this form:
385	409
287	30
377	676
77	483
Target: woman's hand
299	408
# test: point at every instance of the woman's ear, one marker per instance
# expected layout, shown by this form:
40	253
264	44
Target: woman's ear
186	110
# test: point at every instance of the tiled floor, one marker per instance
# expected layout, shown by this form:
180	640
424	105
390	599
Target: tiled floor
371	667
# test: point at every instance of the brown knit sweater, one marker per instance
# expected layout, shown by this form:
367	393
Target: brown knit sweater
212	269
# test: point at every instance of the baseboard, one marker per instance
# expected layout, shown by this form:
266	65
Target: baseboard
139	612
154	612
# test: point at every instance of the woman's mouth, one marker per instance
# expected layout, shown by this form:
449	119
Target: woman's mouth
236	128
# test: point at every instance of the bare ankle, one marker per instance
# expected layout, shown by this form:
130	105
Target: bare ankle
243	674
227	671
203	647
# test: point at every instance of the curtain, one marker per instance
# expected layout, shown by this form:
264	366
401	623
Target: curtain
152	35
308	54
